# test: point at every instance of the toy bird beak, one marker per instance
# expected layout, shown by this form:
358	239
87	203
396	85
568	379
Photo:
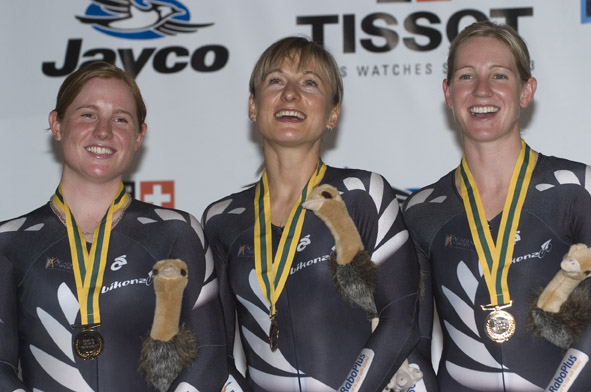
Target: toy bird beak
313	204
569	264
169	272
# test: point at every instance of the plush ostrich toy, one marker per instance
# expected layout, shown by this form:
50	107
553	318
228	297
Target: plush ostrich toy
351	267
168	349
353	271
563	309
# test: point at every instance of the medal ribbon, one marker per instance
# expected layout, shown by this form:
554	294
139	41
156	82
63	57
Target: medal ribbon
89	266
272	272
495	259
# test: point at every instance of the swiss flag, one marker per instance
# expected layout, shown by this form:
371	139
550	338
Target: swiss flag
159	193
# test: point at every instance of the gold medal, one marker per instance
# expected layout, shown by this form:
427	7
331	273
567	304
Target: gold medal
274	333
88	344
499	325
89	267
495	258
272	271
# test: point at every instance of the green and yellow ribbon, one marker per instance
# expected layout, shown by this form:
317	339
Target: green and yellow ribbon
89	266
272	272
495	259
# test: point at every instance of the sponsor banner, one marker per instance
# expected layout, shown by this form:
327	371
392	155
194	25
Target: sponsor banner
192	60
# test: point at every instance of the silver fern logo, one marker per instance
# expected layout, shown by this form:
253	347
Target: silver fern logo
139	19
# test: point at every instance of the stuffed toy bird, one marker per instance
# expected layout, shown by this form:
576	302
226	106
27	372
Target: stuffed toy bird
351	267
169	348
352	270
562	311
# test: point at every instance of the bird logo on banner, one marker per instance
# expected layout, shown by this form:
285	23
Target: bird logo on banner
139	19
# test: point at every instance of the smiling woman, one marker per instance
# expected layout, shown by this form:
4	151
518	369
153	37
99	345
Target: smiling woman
100	132
76	294
295	95
293	105
298	332
99	121
487	92
477	228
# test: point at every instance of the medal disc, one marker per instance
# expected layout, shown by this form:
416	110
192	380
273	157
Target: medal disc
274	334
499	325
88	344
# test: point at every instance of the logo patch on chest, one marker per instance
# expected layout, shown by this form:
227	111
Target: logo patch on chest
454	241
55	264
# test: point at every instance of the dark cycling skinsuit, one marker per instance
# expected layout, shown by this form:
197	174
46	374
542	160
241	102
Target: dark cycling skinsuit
323	340
38	303
556	214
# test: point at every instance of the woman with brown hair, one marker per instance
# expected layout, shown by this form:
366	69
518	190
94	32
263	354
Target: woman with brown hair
76	293
298	332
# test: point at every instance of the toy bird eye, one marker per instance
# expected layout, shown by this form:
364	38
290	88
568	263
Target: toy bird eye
326	195
184	272
155	271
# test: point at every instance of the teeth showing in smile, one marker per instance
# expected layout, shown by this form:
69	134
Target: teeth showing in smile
99	150
483	109
290	113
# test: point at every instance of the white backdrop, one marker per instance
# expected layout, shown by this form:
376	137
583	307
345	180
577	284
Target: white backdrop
394	120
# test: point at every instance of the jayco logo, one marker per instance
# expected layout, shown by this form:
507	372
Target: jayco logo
139	19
